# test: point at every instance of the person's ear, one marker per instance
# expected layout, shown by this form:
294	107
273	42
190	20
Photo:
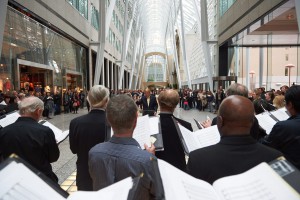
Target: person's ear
135	121
220	121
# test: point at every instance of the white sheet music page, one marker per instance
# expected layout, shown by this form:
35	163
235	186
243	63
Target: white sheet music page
207	136
154	125
260	182
280	114
59	134
62	136
142	131
191	142
266	122
9	119
18	182
115	191
179	185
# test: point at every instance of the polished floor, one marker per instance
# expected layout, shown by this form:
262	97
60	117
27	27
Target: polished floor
65	167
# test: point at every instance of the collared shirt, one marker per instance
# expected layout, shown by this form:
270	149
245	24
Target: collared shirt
117	159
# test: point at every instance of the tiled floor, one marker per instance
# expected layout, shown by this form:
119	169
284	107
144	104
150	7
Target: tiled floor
65	167
69	184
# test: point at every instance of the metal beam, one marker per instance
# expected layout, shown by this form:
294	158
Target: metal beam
176	59
175	50
139	64
297	5
136	48
143	69
109	14
101	39
3	11
130	28
123	56
203	25
187	70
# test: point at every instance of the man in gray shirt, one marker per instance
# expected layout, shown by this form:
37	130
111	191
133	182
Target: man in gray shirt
121	156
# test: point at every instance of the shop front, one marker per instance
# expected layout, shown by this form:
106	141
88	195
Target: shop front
34	57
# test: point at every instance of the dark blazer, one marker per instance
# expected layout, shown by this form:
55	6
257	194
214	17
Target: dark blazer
173	151
85	132
285	137
232	155
148	109
32	142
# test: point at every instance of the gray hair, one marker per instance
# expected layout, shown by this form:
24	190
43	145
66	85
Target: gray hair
121	112
30	104
237	89
98	96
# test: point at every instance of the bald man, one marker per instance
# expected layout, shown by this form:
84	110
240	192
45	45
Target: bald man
173	151
237	151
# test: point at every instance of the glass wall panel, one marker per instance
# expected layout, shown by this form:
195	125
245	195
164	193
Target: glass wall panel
35	54
224	5
95	18
81	6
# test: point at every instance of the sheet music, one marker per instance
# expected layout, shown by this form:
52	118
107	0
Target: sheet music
118	191
200	138
266	122
58	133
191	142
154	125
280	114
18	182
208	136
62	136
9	119
260	182
179	185
142	131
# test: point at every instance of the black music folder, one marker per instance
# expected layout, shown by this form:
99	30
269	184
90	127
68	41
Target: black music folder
287	171
159	144
198	124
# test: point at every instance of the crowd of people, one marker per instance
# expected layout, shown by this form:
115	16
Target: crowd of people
103	159
71	100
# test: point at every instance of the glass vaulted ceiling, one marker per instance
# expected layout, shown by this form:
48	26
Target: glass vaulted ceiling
155	15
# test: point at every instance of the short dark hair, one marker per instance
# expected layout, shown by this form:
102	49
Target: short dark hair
292	95
121	112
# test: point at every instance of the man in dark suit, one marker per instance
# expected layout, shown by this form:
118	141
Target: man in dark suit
285	135
173	151
149	103
88	130
30	140
237	151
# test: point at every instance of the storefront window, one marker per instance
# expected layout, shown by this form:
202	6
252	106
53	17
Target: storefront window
33	56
